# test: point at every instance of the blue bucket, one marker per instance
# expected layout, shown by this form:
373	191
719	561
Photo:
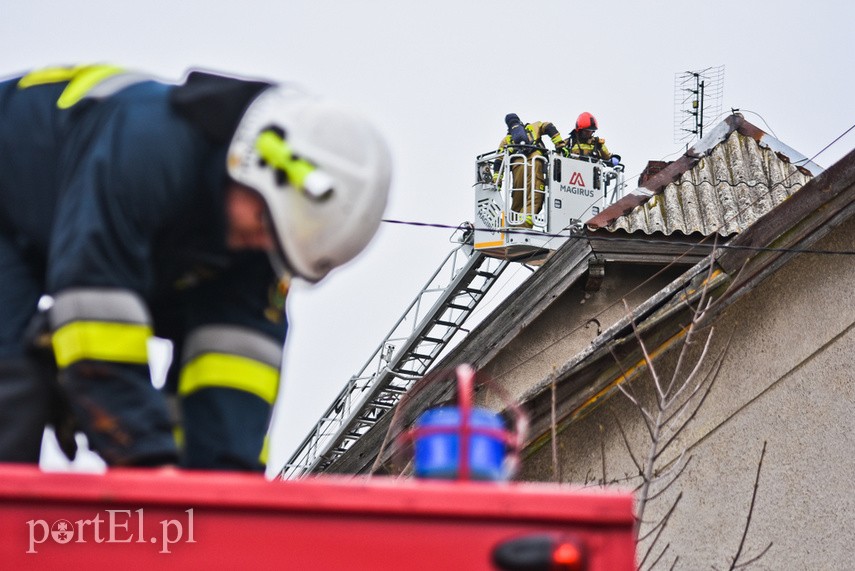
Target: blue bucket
437	455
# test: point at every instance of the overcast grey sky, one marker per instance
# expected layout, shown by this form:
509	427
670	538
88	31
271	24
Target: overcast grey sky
438	78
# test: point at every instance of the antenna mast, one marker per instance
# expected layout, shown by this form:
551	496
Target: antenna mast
697	95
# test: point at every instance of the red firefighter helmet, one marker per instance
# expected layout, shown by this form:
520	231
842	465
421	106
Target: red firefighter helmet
586	121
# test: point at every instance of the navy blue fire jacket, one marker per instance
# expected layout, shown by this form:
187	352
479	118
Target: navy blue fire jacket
112	201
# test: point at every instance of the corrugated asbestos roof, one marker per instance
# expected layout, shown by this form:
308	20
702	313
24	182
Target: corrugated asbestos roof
737	183
729	179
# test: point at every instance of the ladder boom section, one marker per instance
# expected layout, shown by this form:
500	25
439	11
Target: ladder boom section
415	342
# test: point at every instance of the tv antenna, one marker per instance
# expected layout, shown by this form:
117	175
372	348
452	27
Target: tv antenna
697	96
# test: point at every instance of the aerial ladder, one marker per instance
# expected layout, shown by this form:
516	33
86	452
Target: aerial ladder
427	326
576	188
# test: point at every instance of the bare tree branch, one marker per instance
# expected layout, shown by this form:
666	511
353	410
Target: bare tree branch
684	350
690	379
697	316
662	523
707	390
627	392
679	473
648	418
626	443
647	358
655	561
736	557
705	383
675	406
754	559
589	478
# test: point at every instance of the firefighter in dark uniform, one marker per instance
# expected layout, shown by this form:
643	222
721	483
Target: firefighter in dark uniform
529	183
181	211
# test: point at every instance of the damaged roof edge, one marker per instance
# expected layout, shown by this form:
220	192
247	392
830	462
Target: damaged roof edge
657	183
786	152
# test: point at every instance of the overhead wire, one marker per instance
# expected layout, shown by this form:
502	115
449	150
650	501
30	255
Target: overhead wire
698	244
825	148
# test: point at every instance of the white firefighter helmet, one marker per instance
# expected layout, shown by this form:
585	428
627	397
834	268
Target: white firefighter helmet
323	171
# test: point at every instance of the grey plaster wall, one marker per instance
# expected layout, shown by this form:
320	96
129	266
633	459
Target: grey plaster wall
564	329
786	379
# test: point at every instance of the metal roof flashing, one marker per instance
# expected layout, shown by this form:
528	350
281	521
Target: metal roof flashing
682	172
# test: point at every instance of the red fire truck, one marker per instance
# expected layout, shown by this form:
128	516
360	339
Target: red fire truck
159	519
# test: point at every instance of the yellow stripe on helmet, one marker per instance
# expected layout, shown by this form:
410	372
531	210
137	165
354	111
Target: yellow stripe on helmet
276	152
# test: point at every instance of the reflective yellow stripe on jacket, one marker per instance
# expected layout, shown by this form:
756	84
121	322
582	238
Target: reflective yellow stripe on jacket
535	131
100	324
226	356
597	148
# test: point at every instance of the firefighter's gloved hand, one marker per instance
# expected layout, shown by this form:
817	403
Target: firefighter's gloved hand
615	160
37	338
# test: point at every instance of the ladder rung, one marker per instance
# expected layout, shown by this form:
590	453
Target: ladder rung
382	405
417	356
393	390
406	372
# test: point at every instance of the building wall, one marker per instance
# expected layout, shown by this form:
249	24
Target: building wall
785	379
565	328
